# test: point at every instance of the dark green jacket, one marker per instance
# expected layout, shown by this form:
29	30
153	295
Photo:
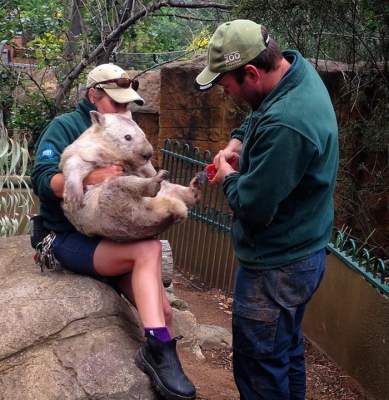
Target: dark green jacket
282	197
61	132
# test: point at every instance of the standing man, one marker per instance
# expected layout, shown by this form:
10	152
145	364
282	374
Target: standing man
281	197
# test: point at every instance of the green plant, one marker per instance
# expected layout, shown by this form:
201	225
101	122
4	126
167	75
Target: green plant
16	200
31	113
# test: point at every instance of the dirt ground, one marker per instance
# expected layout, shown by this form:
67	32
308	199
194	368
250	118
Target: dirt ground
213	377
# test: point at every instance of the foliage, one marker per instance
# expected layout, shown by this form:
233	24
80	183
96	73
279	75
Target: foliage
31	18
24	106
25	102
47	49
31	114
15	195
155	35
344	30
201	40
8	83
69	36
168	32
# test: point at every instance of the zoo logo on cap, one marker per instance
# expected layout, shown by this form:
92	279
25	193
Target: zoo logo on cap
232	58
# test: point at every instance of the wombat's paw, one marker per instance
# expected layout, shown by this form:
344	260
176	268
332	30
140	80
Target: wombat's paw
195	185
155	183
162	175
195	182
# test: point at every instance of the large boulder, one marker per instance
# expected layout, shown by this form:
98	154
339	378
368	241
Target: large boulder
64	336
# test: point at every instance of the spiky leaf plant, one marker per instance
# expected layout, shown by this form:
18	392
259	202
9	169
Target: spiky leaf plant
16	200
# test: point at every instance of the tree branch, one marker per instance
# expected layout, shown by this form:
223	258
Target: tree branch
188	17
116	33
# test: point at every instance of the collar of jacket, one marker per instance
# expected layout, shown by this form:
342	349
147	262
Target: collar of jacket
293	76
84	107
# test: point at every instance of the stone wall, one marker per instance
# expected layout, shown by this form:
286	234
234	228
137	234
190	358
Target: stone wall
147	116
349	320
202	119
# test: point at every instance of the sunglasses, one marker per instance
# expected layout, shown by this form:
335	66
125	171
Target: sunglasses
123	83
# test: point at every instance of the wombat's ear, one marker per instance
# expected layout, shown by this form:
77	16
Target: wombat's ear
97	118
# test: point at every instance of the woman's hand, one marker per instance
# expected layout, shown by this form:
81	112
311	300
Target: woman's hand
103	174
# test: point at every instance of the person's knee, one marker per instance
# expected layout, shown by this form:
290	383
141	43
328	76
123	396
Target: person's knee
151	248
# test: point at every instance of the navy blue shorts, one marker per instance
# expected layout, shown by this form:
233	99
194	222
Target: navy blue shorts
75	252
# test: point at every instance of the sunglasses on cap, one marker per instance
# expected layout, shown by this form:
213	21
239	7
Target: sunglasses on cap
123	83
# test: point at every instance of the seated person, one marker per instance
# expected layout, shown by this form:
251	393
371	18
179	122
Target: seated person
135	267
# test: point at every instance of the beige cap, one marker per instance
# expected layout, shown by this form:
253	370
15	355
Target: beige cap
106	72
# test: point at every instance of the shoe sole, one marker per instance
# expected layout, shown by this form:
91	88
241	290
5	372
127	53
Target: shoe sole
145	366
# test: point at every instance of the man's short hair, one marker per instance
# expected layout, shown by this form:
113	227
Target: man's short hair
268	60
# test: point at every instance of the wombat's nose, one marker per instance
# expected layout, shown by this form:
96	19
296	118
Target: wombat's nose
147	155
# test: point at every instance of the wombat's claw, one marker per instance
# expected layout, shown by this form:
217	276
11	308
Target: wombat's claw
73	199
195	185
163	174
199	179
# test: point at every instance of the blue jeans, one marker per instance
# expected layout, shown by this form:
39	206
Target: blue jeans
268	308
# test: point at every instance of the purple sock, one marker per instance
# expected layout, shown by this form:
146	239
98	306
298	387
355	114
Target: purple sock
160	333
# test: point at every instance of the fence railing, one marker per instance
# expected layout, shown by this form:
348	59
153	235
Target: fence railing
140	61
202	247
361	260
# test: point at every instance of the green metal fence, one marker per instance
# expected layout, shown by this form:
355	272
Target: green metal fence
202	247
375	270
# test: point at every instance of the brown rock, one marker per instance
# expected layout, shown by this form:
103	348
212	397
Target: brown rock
63	336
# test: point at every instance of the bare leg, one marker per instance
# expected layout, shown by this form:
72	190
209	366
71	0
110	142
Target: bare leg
141	262
167	311
125	287
143	259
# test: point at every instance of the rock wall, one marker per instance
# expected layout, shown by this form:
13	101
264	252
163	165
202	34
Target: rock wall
147	116
204	120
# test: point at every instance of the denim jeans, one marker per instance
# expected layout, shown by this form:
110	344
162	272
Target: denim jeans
268	308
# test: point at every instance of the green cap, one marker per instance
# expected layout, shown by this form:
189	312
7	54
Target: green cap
233	44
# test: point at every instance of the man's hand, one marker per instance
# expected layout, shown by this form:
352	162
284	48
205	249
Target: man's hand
103	174
231	153
231	157
223	166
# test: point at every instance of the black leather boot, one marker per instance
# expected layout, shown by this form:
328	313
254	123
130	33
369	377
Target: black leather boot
160	361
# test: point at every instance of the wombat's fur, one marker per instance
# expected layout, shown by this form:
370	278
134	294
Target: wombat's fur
140	204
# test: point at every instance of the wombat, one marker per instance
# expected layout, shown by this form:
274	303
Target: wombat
138	205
